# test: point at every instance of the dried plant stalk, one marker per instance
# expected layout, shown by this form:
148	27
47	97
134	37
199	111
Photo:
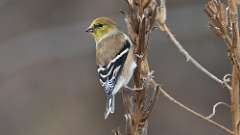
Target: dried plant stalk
138	105
224	22
235	100
140	19
235	73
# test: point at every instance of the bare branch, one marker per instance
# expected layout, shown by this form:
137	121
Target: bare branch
227	79
194	112
172	99
161	20
215	107
189	58
168	96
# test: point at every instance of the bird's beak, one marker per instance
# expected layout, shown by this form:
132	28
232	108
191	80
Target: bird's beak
90	30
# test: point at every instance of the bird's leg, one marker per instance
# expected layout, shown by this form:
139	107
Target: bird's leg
134	88
140	56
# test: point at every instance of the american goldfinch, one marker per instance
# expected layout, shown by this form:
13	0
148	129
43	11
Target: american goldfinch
114	57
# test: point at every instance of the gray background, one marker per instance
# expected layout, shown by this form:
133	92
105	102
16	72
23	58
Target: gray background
48	82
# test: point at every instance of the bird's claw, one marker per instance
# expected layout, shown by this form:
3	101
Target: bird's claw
134	89
140	56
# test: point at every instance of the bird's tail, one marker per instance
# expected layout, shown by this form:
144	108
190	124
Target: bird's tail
110	106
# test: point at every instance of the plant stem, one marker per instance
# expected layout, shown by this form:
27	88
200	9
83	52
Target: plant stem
235	78
235	100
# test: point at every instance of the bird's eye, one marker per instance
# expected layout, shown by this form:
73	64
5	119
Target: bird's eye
99	25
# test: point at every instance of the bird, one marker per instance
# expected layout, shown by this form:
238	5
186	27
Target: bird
114	58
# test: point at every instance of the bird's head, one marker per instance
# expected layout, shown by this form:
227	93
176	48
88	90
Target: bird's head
100	27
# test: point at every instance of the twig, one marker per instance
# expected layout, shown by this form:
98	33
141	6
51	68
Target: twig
227	79
192	60
172	99
161	20
215	107
194	112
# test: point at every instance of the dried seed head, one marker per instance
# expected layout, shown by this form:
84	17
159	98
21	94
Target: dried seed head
217	11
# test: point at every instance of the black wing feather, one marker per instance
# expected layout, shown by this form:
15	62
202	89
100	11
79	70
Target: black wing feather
108	74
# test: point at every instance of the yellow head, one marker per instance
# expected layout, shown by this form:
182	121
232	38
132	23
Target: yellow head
100	27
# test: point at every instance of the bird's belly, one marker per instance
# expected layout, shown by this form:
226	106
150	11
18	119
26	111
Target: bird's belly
130	71
125	77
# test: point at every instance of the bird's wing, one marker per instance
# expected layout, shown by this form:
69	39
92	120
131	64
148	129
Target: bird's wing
109	73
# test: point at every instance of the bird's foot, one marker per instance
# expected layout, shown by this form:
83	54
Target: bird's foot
140	56
134	89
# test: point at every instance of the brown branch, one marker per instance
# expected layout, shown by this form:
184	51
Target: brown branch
235	69
138	105
235	100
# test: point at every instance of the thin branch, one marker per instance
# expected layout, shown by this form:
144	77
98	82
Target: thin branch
161	20
194	112
172	99
215	107
192	60
227	79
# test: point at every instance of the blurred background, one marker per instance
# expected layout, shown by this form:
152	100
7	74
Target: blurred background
48	83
